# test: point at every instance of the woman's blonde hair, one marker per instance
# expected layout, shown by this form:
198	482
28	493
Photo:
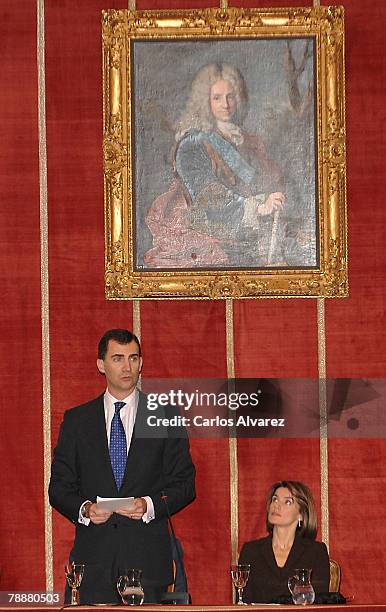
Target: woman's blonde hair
197	113
302	494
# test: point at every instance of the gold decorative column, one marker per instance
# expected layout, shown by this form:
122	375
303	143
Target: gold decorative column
233	467
44	290
323	420
323	427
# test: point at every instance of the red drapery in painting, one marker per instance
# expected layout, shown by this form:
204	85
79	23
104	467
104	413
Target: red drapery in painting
272	337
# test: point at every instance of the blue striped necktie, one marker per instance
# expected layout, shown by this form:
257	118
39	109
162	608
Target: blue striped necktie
118	445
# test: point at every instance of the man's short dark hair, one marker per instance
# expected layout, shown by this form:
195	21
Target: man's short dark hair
122	336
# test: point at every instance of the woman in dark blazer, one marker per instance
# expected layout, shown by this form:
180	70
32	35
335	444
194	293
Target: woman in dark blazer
292	525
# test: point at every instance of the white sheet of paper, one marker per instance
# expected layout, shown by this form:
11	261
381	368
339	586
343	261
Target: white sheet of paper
115	503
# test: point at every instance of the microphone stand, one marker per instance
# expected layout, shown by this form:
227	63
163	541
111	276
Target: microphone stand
175	542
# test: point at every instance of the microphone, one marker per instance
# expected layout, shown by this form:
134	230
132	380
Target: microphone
176	544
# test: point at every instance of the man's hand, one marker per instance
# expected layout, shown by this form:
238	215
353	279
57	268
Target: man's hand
98	515
275	201
136	510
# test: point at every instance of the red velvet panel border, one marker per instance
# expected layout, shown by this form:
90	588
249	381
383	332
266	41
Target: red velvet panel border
22	515
187	339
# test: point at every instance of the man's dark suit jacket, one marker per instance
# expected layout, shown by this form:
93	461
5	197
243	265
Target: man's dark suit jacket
157	466
267	581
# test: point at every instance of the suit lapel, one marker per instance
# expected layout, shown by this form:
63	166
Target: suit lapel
134	455
146	439
267	552
97	434
295	552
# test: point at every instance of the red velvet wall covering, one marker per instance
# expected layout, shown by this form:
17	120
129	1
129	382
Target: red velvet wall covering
21	473
272	337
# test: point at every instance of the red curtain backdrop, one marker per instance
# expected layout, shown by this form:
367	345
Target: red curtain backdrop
271	337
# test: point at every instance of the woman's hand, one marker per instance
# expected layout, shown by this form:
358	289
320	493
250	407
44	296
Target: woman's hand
275	201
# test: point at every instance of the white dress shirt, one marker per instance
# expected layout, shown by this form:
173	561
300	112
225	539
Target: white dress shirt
127	414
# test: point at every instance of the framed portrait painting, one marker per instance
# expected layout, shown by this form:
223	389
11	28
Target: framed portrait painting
224	153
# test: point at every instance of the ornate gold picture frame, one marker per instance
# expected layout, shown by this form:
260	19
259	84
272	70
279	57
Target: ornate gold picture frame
224	153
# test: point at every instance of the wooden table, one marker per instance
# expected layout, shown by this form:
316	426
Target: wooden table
350	607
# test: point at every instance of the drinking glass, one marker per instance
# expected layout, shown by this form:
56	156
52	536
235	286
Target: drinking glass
74	574
130	588
240	575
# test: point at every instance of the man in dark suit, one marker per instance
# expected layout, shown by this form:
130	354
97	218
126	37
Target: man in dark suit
157	471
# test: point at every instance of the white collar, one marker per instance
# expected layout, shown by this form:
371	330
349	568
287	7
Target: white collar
232	131
130	400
